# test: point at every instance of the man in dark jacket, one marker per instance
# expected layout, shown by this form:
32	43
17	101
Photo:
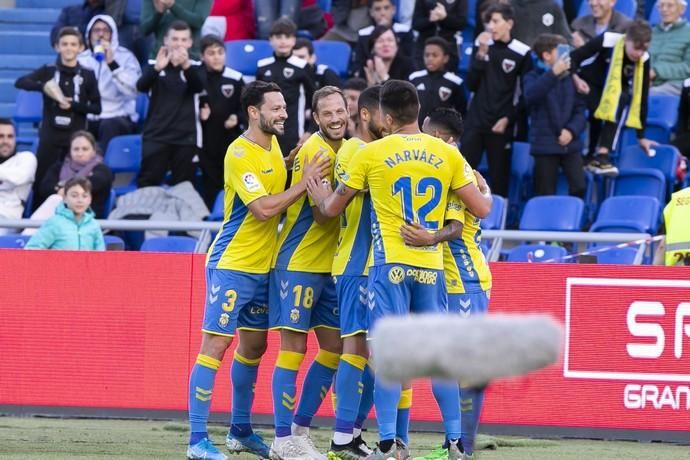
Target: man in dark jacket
499	63
439	18
557	117
538	17
172	132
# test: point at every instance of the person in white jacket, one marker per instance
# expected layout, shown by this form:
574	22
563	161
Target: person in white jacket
17	170
117	71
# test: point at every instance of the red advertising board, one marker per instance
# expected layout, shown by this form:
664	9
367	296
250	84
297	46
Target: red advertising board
121	330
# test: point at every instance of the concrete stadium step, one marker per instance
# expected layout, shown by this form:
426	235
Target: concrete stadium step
24	62
7	90
19	27
6	109
25	43
45	3
29	15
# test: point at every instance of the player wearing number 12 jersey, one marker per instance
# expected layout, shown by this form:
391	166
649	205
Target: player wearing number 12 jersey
409	175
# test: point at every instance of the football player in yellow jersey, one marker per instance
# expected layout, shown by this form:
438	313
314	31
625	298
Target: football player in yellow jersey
409	175
237	267
302	293
468	278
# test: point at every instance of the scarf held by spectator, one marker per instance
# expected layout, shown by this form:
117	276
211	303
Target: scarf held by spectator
608	106
71	168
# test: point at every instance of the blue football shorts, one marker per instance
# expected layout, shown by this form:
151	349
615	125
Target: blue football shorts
469	304
352	300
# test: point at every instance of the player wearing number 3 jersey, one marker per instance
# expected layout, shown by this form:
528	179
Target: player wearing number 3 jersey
409	175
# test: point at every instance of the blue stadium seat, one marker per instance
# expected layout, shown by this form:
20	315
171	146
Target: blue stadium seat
628	214
521	170
640	181
109	203
8	93
123	156
655	17
553	213
218	211
627	7
465	57
496	220
114	243
47	15
325	5
618	256
242	55
25	42
169	244
142	108
661	120
29	107
44	3
665	160
335	55
535	253
13	241
25	62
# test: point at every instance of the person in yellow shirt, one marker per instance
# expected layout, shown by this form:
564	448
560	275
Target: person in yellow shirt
409	175
302	294
468	278
237	267
677	222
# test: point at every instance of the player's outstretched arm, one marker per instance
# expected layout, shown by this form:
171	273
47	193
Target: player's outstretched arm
329	203
415	234
477	198
270	206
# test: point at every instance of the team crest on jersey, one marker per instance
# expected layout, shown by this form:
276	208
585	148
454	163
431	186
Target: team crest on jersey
396	275
224	319
227	90
468	171
294	316
444	93
547	19
508	65
288	72
251	183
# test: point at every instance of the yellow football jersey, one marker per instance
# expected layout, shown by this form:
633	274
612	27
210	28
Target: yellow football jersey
304	245
243	242
466	268
354	240
409	177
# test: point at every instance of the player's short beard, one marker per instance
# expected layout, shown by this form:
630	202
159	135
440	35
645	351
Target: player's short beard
268	128
325	134
376	131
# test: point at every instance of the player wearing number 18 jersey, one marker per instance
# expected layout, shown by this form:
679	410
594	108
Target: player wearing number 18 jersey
409	175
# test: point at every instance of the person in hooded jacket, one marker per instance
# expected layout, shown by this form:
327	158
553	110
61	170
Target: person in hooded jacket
117	72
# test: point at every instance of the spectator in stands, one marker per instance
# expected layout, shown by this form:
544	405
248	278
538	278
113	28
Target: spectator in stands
435	86
682	139
267	12
382	14
158	15
294	79
321	74
670	48
84	160
676	245
439	18
231	20
352	89
349	16
221	114
538	17
17	171
499	62
79	16
172	133
386	61
70	92
73	227
130	33
613	70
117	72
604	18
557	117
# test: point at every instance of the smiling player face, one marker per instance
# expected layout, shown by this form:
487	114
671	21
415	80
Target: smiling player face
273	113
331	116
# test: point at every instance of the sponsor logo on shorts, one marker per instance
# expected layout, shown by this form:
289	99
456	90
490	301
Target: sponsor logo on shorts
396	275
423	276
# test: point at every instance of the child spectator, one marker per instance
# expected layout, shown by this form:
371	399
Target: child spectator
613	71
70	92
321	74
439	18
83	160
157	16
557	117
172	133
436	87
17	171
73	227
352	89
499	63
117	72
296	84
221	114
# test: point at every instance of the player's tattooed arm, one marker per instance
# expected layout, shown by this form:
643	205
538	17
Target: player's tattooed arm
329	203
415	234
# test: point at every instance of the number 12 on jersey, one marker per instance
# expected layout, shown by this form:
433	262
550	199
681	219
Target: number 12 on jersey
426	186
